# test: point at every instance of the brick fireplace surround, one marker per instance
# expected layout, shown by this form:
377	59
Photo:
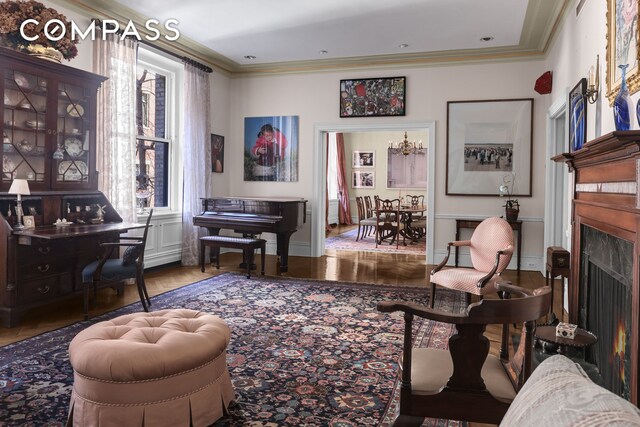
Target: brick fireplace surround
606	198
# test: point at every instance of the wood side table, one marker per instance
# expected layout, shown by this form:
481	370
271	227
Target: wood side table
582	340
473	223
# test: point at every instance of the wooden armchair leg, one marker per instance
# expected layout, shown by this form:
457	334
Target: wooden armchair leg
433	295
86	301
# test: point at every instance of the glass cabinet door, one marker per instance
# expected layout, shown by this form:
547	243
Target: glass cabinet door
24	127
72	153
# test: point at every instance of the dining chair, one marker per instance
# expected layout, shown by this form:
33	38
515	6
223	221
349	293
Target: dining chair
365	225
369	211
490	247
464	382
109	271
388	219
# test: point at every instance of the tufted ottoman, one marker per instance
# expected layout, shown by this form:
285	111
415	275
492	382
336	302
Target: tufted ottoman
164	368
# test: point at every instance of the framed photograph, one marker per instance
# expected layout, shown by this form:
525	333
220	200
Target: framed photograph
363	179
407	171
217	153
622	45
29	221
578	116
364	159
487	140
271	148
383	96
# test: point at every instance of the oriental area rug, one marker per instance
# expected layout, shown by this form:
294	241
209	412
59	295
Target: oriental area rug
347	242
302	353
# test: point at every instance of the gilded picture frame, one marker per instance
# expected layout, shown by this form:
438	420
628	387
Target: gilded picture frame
622	45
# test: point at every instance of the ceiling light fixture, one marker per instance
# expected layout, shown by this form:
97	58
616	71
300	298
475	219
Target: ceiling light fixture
406	147
323	52
403	46
486	39
249	57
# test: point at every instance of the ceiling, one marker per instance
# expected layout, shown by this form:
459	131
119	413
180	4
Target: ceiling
298	35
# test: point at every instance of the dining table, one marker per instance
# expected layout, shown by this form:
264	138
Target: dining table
406	213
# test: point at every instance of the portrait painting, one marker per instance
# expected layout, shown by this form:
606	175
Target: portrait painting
271	148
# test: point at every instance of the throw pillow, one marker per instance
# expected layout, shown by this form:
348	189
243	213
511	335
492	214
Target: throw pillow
130	255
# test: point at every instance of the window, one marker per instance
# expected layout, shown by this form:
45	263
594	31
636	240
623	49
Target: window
155	123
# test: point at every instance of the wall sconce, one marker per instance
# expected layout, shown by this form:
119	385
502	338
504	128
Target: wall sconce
406	147
19	187
593	83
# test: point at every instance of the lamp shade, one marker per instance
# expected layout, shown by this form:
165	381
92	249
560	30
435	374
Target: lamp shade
19	186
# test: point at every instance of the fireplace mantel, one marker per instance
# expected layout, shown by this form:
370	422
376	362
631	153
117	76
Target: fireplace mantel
606	197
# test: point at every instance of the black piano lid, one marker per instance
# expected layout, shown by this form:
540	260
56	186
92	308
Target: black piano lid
259	199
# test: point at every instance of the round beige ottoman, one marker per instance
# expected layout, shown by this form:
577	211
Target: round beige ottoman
164	368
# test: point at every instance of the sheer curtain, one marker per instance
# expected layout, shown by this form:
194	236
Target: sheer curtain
344	203
115	129
197	157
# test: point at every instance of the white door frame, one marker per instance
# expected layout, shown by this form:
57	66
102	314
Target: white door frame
320	181
555	211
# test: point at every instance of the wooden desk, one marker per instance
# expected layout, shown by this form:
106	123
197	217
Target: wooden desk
45	264
473	223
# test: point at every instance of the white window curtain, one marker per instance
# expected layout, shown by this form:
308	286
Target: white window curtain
197	157
116	131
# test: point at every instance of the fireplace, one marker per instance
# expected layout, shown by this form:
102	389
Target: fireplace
605	306
604	284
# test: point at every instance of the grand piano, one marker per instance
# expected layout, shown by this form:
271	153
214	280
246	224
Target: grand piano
282	216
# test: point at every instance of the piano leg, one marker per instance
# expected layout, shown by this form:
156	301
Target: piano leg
214	254
283	250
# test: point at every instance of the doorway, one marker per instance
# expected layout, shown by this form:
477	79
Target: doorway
320	181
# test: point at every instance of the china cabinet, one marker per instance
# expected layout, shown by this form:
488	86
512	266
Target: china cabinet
48	127
49	139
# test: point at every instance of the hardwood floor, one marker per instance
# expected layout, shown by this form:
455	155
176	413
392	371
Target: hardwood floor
367	267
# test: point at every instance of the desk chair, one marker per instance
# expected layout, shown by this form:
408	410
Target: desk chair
109	271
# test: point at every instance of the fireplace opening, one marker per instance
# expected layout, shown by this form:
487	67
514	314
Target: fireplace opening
605	306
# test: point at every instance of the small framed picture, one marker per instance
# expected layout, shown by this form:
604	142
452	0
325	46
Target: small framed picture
29	221
363	179
578	116
217	153
364	159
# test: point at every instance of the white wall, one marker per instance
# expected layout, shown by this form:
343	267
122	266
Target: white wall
314	98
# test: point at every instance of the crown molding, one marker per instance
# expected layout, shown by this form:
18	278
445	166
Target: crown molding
543	18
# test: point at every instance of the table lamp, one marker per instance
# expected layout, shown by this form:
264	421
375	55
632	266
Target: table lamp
19	187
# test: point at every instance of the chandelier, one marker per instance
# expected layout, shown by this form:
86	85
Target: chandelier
406	147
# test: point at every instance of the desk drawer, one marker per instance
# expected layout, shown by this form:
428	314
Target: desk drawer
44	248
43	289
40	267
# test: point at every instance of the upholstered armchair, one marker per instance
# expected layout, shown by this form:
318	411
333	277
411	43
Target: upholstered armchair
465	382
490	247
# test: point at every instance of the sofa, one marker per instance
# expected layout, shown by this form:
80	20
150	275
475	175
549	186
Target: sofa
560	394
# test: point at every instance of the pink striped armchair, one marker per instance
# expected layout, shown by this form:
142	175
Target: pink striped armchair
491	248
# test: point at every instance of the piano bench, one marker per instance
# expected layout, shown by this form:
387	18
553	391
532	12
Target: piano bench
247	244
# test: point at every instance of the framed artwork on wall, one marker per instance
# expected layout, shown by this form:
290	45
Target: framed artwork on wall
578	116
271	148
217	153
622	45
407	171
364	159
363	179
383	96
487	140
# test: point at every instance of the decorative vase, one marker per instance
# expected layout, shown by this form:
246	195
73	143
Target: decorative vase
622	106
44	52
512	214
